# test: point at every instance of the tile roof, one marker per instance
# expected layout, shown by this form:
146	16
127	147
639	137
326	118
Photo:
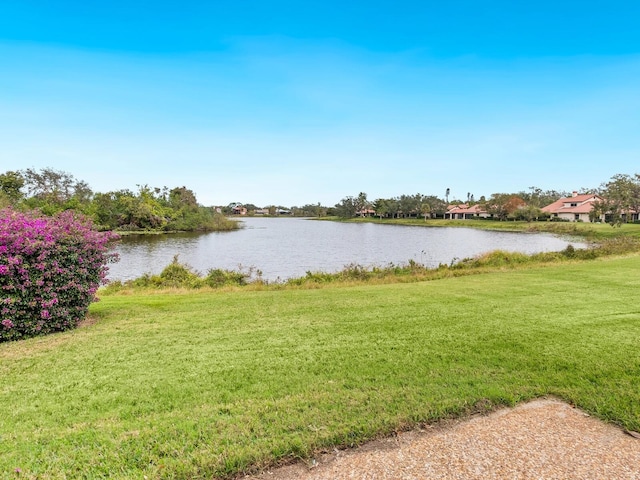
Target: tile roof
464	208
584	204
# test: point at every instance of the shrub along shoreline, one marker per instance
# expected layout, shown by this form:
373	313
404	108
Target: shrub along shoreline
180	275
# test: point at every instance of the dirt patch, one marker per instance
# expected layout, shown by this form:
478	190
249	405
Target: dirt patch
543	439
88	321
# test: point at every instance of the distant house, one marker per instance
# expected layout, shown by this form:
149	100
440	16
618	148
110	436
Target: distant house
366	212
239	210
262	211
463	211
575	208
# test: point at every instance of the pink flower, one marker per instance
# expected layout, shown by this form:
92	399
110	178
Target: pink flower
51	267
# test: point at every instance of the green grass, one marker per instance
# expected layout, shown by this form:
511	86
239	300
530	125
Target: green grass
201	384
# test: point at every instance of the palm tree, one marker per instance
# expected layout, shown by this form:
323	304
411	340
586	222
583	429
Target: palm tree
425	210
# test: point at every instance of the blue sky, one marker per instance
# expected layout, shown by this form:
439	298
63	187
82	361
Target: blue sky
302	102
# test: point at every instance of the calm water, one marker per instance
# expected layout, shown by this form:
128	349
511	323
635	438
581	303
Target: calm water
289	247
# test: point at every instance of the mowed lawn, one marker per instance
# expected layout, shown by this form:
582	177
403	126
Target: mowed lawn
198	385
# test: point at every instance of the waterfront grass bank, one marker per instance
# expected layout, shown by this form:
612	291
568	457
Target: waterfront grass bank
200	384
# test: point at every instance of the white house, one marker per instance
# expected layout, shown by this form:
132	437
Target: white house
575	208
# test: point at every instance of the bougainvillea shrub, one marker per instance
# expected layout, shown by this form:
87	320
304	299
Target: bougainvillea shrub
50	270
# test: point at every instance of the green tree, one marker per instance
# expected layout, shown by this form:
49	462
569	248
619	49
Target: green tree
381	206
361	203
105	211
250	207
527	213
148	212
407	205
53	191
182	211
11	184
599	210
620	199
393	204
129	211
537	197
314	210
346	208
425	210
437	206
181	197
503	205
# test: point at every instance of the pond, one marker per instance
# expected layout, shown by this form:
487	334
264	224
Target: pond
283	248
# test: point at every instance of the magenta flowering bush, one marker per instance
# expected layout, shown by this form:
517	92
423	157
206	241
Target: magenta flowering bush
50	270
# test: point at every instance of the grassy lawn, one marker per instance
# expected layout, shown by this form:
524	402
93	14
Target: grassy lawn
195	385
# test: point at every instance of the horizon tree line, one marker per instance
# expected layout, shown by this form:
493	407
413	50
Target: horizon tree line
148	208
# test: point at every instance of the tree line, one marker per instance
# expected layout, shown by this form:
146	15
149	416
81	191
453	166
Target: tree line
619	200
147	209
523	205
164	209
